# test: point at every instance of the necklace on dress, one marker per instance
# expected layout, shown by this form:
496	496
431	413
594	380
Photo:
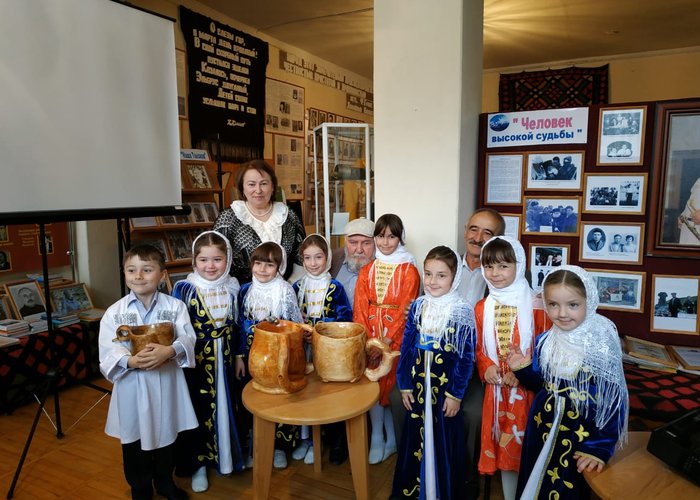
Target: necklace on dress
267	212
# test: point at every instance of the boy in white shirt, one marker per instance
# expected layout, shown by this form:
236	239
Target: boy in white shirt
150	401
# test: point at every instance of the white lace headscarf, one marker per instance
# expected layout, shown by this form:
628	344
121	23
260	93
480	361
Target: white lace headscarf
315	287
517	294
218	294
588	354
274	299
433	315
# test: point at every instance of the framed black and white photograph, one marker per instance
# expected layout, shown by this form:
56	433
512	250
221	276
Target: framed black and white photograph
168	220
211	211
512	225
70	298
5	261
197	214
27	299
561	170
675	300
621	136
4	234
174	277
159	243
619	290
545	258
504	174
551	215
612	242
6	308
615	193
197	176
179	244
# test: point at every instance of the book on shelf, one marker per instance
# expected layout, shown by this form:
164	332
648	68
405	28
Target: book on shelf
8	341
13	325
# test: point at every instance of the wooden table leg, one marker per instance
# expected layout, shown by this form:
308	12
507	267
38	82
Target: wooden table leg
356	429
263	446
317	447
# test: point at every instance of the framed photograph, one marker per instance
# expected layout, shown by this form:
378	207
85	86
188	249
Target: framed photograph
650	351
197	176
621	136
143	222
70	298
168	220
156	242
614	193
512	225
545	258
198	215
504	173
27	299
211	211
561	170
5	308
619	290
180	245
4	234
5	261
688	357
612	242
551	215
164	286
675	301
675	192
174	277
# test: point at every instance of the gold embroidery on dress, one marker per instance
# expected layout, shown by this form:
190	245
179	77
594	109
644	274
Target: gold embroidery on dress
383	273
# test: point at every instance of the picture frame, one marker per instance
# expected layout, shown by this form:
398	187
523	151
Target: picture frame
26	298
179	245
197	176
615	242
5	261
197	215
174	277
504	173
560	170
6	311
551	215
4	234
211	210
164	285
71	298
143	222
512	225
159	243
651	351
688	357
619	290
615	193
167	220
621	136
675	188
545	258
677	313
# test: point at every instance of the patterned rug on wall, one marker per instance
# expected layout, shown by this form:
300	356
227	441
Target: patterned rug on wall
560	88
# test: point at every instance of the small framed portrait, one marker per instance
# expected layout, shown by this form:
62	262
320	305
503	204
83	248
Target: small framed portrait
313	118
5	308
156	242
322	117
545	258
180	245
5	261
27	299
331	118
561	170
512	225
198	215
176	276
675	300
197	176
612	242
211	211
551	215
143	222
4	234
70	298
619	290
504	173
168	220
621	136
614	193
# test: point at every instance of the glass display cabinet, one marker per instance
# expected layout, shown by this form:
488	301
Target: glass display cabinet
343	176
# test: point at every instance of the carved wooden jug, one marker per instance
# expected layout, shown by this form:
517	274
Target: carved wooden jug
339	351
140	336
277	360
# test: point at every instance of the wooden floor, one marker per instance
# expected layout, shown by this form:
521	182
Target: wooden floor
87	464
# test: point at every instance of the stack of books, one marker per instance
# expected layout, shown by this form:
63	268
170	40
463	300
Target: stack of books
38	326
61	320
14	328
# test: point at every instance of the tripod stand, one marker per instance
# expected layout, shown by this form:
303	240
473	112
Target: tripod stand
53	374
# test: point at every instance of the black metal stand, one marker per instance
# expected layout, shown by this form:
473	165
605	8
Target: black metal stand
53	374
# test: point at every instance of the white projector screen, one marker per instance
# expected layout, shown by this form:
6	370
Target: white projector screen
88	108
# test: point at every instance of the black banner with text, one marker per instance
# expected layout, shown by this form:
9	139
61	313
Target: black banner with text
226	76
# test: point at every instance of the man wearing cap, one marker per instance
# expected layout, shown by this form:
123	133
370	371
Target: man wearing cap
357	252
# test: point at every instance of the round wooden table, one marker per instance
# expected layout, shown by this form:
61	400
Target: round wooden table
633	472
318	403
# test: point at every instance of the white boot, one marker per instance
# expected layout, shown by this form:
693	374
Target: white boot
376	447
199	480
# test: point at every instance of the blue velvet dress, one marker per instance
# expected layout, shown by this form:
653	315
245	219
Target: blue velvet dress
450	372
336	306
553	412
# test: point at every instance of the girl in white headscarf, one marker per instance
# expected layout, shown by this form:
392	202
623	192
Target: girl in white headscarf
437	357
507	316
579	414
210	295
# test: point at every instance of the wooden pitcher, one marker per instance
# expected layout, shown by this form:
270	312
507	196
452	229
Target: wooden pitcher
339	351
140	336
277	360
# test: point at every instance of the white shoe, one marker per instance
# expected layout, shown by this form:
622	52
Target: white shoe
389	450
309	458
249	462
280	460
199	480
301	450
